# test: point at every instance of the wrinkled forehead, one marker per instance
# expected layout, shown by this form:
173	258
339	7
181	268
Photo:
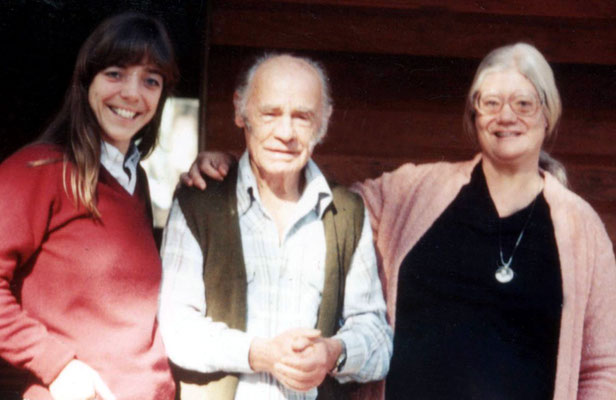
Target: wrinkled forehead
286	77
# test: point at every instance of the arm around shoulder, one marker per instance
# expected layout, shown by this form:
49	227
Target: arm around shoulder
380	191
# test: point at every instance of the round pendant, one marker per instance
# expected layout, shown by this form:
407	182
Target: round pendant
504	274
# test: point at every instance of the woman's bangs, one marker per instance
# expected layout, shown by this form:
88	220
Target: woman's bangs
130	49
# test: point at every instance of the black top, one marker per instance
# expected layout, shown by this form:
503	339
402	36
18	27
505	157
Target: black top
460	334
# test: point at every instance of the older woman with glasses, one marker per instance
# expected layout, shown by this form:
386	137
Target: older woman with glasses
500	282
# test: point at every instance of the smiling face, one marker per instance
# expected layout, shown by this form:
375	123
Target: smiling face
124	100
508	138
281	117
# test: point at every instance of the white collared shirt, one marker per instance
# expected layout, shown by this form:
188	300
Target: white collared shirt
122	168
284	287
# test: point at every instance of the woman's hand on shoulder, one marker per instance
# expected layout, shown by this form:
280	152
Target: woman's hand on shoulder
214	164
78	381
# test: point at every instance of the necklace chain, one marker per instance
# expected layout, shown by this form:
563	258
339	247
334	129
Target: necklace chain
504	273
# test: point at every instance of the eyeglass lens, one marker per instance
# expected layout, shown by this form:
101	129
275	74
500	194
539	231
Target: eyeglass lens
522	105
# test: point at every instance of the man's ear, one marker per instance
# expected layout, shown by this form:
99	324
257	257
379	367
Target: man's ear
237	105
328	112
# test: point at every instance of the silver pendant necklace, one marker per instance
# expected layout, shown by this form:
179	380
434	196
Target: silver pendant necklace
504	273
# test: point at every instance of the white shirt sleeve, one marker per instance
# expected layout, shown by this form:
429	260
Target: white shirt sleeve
365	332
192	340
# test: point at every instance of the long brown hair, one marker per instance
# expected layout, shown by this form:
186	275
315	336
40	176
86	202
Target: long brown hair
123	40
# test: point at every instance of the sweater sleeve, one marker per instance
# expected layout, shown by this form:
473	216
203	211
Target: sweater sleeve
384	195
372	194
26	201
598	365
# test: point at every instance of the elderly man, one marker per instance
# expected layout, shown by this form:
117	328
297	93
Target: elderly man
270	286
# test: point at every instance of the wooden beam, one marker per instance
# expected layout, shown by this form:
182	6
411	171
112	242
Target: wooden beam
545	8
421	31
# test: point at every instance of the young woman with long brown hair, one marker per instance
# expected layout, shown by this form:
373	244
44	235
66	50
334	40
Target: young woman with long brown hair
79	268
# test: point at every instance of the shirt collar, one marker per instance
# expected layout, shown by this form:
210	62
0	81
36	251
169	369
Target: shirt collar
317	194
122	168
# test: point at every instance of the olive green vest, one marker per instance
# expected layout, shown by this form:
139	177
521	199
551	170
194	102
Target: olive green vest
211	215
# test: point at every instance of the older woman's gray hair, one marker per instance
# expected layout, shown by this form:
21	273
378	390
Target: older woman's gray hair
529	62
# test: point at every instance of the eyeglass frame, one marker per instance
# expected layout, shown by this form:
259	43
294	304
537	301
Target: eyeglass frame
509	102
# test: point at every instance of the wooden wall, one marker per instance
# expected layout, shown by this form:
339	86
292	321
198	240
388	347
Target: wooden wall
400	71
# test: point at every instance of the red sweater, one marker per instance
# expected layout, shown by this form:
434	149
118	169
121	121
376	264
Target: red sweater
74	287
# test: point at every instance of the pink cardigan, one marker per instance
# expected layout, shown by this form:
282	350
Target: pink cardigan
403	205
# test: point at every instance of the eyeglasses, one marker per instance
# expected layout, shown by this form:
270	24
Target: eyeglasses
522	105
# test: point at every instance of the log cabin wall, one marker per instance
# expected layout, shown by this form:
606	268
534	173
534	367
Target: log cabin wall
400	70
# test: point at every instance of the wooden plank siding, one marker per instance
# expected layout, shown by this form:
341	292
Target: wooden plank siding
447	31
548	8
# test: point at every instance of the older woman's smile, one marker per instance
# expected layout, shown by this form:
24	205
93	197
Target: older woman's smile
507	134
